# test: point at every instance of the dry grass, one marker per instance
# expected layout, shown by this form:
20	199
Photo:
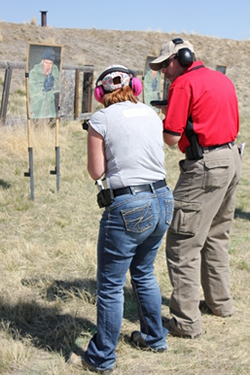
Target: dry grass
48	268
48	246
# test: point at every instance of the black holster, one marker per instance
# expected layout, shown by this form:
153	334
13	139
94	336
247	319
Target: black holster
194	151
105	198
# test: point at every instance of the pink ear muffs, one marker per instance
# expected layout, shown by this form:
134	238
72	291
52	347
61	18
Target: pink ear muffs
98	93
135	85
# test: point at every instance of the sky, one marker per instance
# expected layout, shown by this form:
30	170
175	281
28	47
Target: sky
226	19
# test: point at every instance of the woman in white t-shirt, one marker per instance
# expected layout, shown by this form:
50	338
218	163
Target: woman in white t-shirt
125	146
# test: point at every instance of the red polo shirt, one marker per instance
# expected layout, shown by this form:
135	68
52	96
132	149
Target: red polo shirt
210	98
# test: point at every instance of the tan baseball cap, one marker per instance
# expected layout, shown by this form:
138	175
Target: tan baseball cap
169	49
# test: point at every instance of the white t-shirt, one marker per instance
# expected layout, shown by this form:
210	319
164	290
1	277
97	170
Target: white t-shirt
134	147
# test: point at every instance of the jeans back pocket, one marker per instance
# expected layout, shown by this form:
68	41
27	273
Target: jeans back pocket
138	219
169	204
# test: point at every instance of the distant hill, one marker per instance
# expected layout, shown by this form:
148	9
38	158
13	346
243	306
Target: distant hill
130	48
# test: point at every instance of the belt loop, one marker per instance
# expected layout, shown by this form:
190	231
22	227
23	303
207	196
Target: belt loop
230	144
152	188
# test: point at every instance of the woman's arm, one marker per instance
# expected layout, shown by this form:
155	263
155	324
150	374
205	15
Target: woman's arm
96	154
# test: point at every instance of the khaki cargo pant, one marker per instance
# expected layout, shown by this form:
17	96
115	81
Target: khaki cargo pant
198	238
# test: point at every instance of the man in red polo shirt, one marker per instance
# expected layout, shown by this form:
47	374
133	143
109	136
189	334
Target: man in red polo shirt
202	117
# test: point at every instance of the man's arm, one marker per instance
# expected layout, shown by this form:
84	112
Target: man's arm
171	139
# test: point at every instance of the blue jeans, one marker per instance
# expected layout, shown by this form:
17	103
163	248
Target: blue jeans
131	231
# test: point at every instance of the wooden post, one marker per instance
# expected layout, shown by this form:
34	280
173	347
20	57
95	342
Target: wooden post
87	92
76	111
6	92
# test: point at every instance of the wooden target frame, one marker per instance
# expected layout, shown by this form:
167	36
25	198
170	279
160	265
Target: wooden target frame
43	98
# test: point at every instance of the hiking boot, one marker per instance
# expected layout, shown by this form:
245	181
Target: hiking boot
138	340
175	332
166	324
204	309
79	361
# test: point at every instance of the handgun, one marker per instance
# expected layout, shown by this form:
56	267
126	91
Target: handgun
159	102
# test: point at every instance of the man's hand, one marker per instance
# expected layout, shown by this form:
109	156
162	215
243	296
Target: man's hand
48	83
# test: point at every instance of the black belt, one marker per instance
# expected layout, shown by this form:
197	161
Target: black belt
189	155
139	188
218	147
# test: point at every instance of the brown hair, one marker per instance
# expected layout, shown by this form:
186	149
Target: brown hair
119	95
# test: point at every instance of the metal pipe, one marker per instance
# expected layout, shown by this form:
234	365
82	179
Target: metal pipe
43	17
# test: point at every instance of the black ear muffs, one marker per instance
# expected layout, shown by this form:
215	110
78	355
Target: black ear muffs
184	56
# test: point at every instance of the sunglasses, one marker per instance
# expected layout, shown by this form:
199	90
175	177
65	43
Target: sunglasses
166	63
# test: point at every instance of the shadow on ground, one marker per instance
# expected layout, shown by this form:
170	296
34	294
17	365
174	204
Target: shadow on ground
241	214
46	325
4	184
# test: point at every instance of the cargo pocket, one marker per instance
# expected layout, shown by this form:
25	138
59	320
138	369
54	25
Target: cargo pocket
138	219
216	173
186	218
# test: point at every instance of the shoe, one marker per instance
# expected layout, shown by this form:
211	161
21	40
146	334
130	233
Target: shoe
166	324
174	331
204	309
79	361
139	341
